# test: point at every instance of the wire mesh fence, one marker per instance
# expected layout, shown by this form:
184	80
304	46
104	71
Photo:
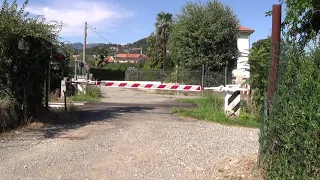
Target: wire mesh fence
207	78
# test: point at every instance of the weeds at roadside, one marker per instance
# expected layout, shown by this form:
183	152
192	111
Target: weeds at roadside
210	109
92	94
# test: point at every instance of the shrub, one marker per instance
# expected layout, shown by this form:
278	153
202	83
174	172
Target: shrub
93	93
107	74
210	109
259	63
290	135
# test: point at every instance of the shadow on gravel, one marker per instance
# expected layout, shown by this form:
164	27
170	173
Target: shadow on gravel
62	122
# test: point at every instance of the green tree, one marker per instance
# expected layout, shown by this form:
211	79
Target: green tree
102	55
302	19
154	53
259	63
289	135
163	27
205	33
24	72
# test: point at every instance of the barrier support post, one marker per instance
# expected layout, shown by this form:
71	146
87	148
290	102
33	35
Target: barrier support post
65	101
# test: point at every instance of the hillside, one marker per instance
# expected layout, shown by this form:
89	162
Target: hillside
92	48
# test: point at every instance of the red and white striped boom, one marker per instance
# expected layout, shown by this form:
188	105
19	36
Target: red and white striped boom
148	85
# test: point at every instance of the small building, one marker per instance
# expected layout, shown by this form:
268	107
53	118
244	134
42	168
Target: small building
110	59
129	58
242	72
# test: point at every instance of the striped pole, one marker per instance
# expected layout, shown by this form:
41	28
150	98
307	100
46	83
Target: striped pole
232	103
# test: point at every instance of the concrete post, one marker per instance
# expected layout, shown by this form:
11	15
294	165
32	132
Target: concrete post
63	87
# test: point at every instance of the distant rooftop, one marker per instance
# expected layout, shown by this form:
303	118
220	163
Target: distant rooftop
245	29
131	56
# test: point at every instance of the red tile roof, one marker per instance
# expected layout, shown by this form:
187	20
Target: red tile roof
131	56
110	59
242	28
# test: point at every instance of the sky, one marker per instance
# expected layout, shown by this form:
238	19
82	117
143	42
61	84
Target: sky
126	21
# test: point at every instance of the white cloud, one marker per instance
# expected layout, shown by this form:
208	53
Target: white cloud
73	13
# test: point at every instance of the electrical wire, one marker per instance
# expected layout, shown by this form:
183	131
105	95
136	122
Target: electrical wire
98	34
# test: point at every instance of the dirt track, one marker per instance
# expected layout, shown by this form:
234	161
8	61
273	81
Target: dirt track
129	135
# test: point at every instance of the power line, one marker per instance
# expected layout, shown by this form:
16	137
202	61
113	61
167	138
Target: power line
99	34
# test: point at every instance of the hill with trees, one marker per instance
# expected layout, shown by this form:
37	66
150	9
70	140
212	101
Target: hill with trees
93	48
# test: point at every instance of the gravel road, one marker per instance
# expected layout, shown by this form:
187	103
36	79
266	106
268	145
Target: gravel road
128	135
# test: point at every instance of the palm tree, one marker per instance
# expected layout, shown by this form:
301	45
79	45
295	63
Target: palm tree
163	26
103	53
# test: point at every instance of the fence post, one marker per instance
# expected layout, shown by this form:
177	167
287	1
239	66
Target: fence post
273	69
176	74
202	80
177	79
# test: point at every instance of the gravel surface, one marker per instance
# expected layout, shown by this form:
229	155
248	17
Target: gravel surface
129	135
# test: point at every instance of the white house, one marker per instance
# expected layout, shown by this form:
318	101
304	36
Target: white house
241	73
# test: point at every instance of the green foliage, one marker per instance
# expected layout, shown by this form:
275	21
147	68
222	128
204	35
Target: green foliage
112	49
302	19
60	68
102	59
122	66
211	109
154	53
290	135
163	28
134	74
92	94
259	63
205	33
140	43
23	73
113	71
108	74
96	50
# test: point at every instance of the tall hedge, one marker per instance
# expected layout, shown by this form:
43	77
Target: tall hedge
107	74
290	135
259	63
23	73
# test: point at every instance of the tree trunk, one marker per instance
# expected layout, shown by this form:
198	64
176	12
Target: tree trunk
164	54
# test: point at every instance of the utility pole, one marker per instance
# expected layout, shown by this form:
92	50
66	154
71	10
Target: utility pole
85	45
85	41
75	68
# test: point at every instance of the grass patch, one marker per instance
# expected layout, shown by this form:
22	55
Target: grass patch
211	109
93	94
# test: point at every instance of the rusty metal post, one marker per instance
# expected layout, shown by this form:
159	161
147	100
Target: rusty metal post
274	63
275	50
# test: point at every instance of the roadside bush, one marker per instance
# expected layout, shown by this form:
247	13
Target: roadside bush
290	135
23	74
122	66
259	62
134	74
93	93
107	74
210	108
